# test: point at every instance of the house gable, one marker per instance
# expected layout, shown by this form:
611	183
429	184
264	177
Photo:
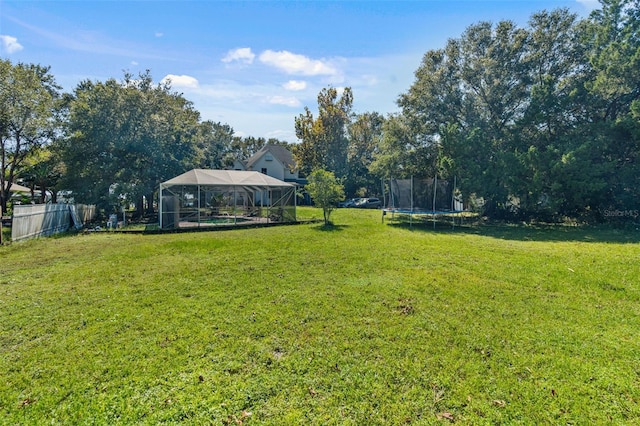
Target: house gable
275	161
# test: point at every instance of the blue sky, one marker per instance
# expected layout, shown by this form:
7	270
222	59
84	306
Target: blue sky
253	65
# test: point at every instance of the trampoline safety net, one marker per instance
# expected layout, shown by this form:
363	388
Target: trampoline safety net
427	195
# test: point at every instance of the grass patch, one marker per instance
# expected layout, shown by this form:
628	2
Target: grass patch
6	234
357	323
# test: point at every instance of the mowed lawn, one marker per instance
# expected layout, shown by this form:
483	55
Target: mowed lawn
363	323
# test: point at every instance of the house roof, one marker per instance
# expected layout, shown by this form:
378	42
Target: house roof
282	154
207	177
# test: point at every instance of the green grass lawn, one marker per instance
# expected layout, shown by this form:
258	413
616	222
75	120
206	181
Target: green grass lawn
361	323
6	234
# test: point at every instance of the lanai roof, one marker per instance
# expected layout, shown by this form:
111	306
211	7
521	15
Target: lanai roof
206	177
17	188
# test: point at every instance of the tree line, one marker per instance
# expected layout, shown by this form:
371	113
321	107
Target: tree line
534	122
541	121
108	143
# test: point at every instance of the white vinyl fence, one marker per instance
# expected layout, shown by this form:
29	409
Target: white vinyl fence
41	220
85	212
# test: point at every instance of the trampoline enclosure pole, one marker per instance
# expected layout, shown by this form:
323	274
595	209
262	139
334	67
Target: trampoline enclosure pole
160	207
435	190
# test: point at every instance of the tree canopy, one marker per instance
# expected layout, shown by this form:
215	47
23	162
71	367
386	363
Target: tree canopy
125	137
323	140
326	191
534	121
28	118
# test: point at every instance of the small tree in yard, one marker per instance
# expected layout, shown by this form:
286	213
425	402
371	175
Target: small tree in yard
326	191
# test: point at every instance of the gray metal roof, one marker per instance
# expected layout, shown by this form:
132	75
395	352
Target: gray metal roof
206	177
18	188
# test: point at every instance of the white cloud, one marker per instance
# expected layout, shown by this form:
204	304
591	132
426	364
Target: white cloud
93	42
134	63
289	101
292	63
159	34
369	79
257	108
242	54
181	81
10	44
283	135
295	85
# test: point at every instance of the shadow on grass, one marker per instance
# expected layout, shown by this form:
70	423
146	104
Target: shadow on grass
330	227
606	233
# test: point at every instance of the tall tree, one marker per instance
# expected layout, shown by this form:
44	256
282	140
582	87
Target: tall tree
43	172
395	156
365	135
28	118
613	34
125	138
216	141
243	148
436	101
464	103
496	80
555	63
324	140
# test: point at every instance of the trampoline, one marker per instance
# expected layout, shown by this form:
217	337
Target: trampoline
426	198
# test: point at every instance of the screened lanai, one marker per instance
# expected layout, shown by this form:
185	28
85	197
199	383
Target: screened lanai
207	198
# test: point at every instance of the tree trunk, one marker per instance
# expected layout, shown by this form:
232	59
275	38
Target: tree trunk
3	202
149	198
139	207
